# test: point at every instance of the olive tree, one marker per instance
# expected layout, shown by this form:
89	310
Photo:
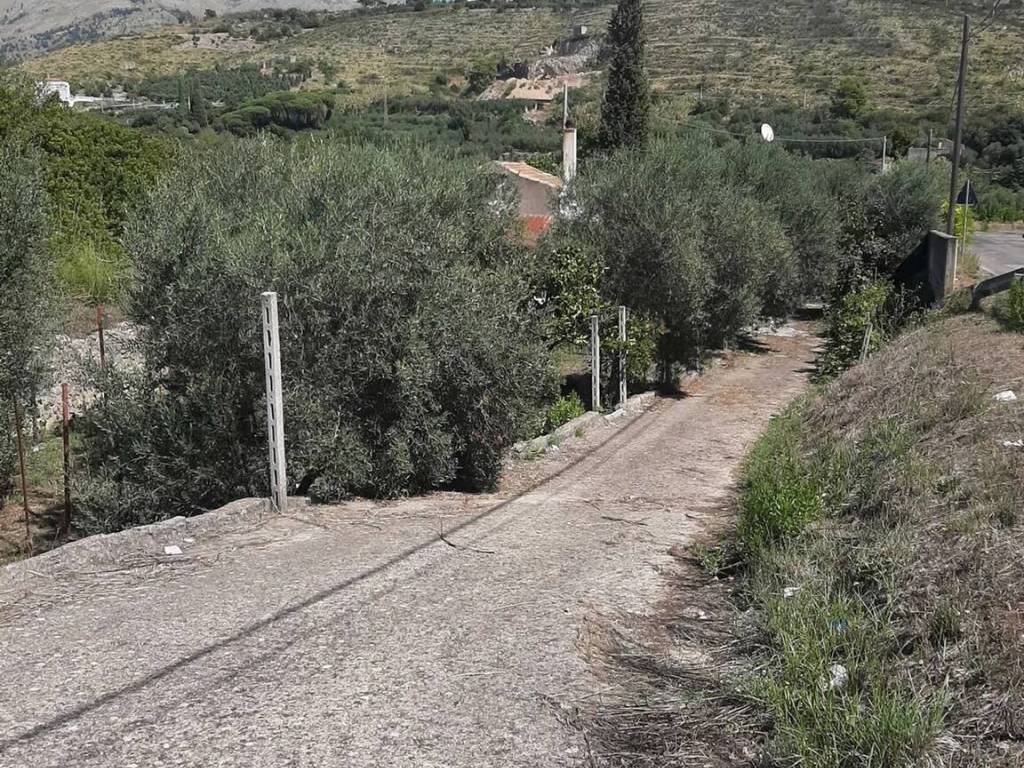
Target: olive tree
681	244
410	353
26	301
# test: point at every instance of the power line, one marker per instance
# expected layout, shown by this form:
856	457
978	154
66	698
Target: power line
837	140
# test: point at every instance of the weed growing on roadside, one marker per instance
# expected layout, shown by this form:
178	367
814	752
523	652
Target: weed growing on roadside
945	623
717	560
564	410
1010	307
780	497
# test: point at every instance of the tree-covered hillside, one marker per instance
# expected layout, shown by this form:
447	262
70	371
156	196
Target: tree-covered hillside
905	51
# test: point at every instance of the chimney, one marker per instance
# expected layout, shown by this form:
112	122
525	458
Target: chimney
569	153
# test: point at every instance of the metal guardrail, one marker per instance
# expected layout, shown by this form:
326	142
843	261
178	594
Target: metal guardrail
994	285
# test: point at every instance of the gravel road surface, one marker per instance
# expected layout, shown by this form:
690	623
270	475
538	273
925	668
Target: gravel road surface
450	630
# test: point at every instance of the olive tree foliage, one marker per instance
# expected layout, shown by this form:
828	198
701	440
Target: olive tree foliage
896	211
681	243
795	189
26	294
410	352
882	218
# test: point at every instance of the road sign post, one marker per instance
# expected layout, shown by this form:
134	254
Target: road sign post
275	403
965	200
965	223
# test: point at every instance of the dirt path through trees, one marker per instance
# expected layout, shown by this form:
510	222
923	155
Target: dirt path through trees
442	631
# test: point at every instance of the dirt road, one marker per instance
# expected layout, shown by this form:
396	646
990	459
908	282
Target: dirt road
446	631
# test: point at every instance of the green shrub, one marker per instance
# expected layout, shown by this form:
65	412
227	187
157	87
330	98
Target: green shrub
641	347
680	243
781	494
571	276
1010	307
795	190
411	357
564	410
480	128
997	203
887	221
861	322
94	171
27	297
291	110
232	86
90	275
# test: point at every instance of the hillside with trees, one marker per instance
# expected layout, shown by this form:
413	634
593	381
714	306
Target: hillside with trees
839	74
795	50
30	27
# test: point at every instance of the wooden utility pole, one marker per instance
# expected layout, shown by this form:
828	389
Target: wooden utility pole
928	151
959	133
24	477
99	328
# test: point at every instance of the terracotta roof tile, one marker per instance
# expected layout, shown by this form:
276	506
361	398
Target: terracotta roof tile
531	173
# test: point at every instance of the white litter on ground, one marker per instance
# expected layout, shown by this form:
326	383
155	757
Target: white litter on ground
1007	396
1013	443
172	550
838	677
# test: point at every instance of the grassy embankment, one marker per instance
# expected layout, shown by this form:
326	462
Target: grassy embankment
868	610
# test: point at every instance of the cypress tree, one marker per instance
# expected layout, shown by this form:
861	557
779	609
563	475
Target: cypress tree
627	100
183	106
197	104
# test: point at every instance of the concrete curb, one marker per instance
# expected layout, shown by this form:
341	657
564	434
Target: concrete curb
145	539
542	443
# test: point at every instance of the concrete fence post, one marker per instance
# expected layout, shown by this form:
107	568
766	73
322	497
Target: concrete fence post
275	402
65	434
595	364
623	393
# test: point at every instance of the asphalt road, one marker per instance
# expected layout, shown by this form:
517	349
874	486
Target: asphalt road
449	631
998	252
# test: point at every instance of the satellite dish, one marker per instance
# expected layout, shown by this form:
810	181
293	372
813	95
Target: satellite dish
767	133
